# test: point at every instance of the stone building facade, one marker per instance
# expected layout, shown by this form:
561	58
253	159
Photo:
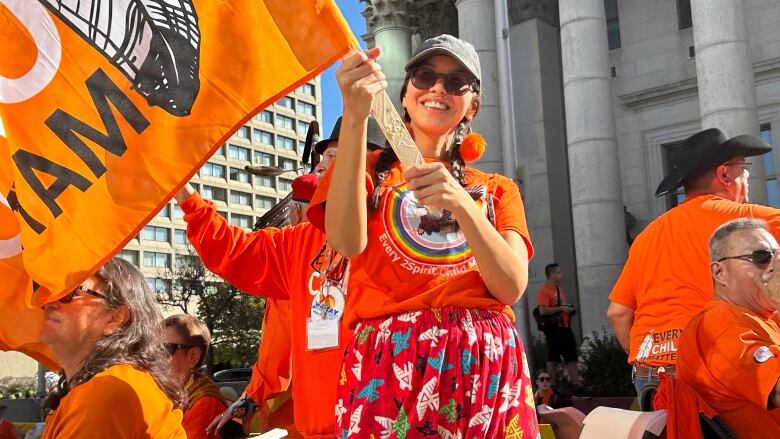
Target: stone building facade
583	102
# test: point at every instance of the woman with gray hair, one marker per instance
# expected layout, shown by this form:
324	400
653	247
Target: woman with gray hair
115	379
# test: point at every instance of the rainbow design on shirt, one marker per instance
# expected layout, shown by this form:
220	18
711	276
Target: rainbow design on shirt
404	223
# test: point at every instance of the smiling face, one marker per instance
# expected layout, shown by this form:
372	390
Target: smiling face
434	111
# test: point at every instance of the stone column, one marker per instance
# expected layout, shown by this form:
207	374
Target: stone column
727	91
597	204
389	23
477	24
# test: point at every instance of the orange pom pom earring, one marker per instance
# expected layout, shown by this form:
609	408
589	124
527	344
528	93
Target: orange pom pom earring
472	147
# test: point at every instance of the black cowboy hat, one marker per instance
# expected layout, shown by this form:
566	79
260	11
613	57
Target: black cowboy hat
312	137
374	136
704	151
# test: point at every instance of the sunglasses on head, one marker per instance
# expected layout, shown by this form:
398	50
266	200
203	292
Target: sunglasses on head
172	347
456	83
759	258
81	288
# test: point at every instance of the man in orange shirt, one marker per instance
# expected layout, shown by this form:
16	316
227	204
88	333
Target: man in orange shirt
729	353
666	280
551	300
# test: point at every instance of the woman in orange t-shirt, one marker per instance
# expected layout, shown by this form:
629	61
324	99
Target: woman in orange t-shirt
115	380
438	253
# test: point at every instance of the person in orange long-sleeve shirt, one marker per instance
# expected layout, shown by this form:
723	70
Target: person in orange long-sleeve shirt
666	279
294	268
187	339
730	352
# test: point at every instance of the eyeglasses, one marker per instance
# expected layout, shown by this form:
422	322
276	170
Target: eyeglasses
456	83
171	347
81	288
759	258
543	379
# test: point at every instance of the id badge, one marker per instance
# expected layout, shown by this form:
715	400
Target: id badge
322	334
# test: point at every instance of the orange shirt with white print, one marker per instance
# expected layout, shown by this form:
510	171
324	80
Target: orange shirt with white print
121	402
281	264
414	262
730	356
667	280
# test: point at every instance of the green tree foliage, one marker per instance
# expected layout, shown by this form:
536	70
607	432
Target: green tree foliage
233	317
604	367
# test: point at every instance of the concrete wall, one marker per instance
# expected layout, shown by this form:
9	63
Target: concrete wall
14	364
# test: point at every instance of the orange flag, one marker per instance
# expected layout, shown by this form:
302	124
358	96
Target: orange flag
108	107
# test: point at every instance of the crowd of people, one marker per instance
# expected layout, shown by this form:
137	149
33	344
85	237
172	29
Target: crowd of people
390	294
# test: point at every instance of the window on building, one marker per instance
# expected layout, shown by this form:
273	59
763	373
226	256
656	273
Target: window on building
165	212
288	164
678	196
214	193
286	102
770	172
306	108
285	122
186	261
265	116
157	259
303	127
285	143
242	198
154	233
179	236
684	17
264	137
157	285
265	181
306	89
130	256
613	24
223	214
263	158
213	170
263	202
239	175
243	133
285	184
239	220
220	152
238	152
177	212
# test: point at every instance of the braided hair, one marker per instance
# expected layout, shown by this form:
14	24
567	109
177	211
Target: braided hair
387	157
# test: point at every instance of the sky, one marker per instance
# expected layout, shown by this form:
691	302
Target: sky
331	97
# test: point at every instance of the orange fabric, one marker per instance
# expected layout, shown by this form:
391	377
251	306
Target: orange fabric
666	279
405	267
272	372
718	357
200	414
548	296
120	402
7	430
276	263
683	406
548	397
89	130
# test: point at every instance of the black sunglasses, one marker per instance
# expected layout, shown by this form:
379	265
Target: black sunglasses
759	258
171	347
543	379
81	288
456	83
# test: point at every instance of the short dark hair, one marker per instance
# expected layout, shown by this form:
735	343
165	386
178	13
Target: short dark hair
548	269
722	234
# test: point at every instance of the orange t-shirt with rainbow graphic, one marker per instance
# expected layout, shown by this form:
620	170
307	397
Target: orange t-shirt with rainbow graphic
415	260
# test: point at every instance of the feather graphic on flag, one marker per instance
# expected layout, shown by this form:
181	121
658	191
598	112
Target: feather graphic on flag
155	43
510	396
446	434
409	316
493	347
433	335
468	325
354	421
340	410
357	367
387	423
383	334
371	390
475	383
482	418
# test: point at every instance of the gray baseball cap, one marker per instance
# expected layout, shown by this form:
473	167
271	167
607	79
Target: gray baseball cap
448	45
